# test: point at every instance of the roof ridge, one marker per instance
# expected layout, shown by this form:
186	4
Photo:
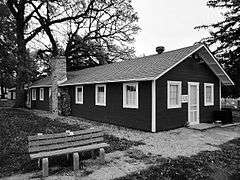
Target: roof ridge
135	59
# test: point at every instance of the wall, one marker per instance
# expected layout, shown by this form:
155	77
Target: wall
113	112
41	105
187	71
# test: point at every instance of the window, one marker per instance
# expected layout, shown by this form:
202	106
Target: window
79	94
41	94
13	95
174	93
34	94
208	94
100	95
130	95
50	92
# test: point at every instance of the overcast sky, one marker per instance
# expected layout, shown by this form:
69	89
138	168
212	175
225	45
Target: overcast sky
170	23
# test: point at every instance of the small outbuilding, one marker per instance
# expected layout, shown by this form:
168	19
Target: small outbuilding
152	93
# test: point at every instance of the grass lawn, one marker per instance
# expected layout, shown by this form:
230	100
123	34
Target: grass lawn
204	165
16	125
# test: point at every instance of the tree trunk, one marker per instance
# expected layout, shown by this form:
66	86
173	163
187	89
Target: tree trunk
22	64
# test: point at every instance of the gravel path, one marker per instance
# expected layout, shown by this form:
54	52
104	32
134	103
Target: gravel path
172	143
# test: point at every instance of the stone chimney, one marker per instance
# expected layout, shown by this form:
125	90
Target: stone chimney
58	75
160	49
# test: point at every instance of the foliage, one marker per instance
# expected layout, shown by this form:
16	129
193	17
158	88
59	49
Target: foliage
64	103
82	54
8	47
111	23
226	36
105	36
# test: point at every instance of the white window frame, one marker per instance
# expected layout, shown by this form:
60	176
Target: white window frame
76	94
125	105
41	94
178	83
96	94
205	93
34	94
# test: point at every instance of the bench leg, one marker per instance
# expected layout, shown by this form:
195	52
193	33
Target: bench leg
102	155
75	161
45	167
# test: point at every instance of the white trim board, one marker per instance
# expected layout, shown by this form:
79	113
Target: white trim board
202	46
153	124
108	81
218	64
178	62
40	86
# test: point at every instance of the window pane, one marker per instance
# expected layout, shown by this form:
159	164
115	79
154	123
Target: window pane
193	94
208	94
101	89
79	94
100	97
100	94
174	91
34	94
131	95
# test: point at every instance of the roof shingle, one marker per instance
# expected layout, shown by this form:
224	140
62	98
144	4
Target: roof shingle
144	68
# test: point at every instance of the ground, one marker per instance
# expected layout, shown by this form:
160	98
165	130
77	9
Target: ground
16	125
181	153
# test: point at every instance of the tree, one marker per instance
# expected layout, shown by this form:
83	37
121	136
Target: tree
81	54
8	47
47	18
226	36
104	37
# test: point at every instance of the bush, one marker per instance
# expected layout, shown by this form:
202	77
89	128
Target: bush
64	103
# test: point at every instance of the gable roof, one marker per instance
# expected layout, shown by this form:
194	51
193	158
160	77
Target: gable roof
145	68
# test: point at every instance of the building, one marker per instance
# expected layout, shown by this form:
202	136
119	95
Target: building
153	93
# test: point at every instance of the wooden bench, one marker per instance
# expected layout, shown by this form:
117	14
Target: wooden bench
43	146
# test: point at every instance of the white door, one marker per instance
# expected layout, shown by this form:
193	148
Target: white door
193	103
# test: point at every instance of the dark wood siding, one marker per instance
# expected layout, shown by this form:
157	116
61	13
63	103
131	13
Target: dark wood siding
113	112
41	105
187	71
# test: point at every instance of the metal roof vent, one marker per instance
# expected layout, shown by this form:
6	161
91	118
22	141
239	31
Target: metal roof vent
160	49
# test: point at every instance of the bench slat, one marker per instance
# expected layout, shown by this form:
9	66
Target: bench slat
64	139
68	150
65	145
60	135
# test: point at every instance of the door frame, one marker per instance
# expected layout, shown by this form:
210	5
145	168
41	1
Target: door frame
198	103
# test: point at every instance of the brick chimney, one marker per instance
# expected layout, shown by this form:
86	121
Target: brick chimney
59	75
